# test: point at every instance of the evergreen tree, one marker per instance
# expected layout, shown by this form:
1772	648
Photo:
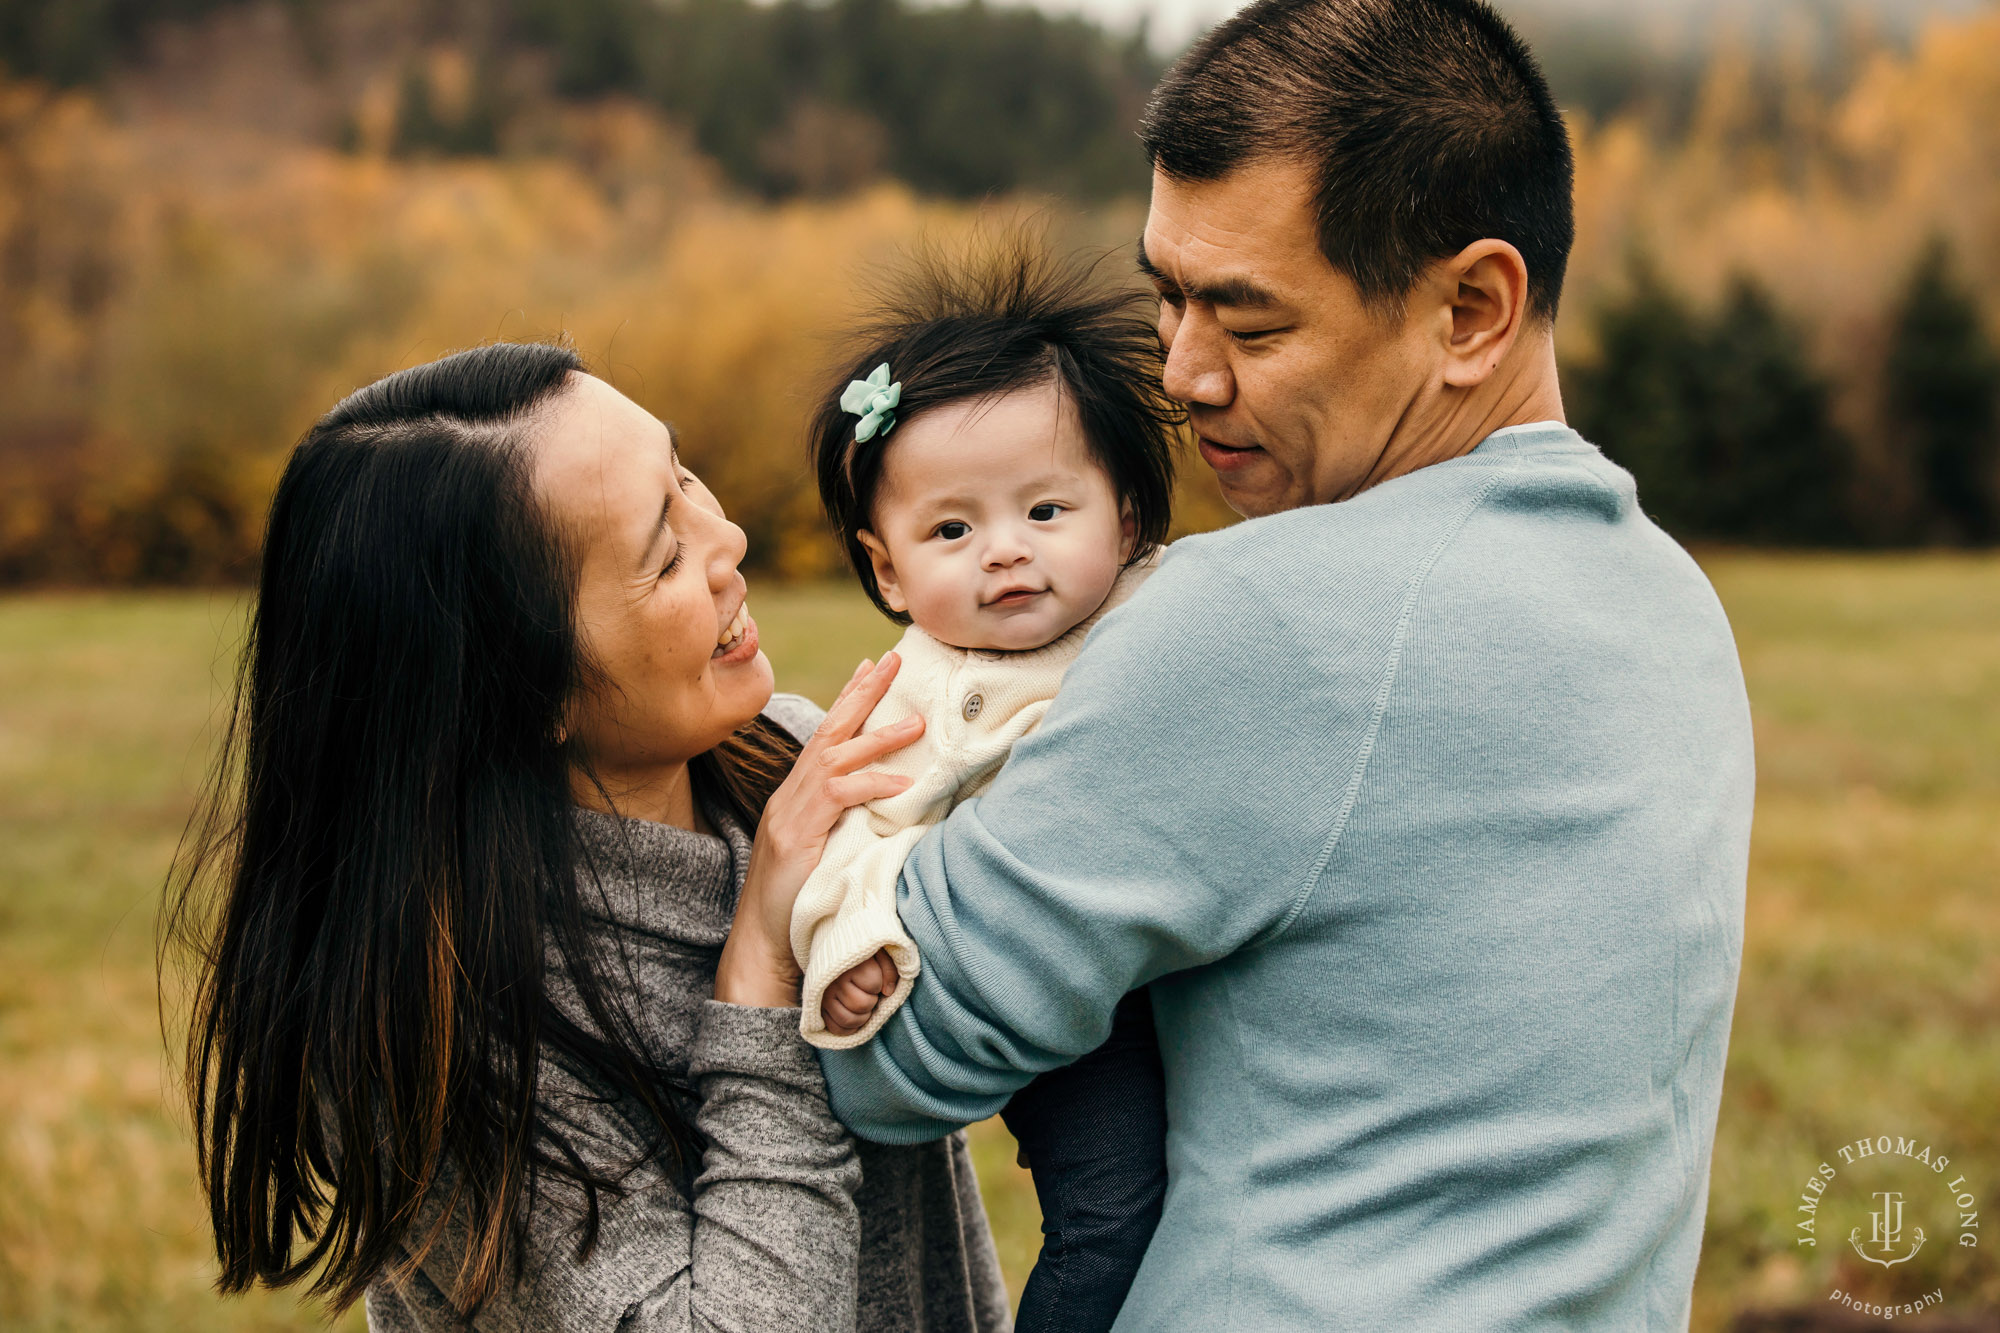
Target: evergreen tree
1639	401
795	96
964	100
421	127
1942	393
1773	468
596	44
1723	423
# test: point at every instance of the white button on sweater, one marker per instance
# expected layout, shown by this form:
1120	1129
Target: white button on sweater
975	705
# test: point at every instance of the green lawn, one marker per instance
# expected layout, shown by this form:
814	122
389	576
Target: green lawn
1870	1000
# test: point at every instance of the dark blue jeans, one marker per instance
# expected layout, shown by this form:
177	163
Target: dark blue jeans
1095	1135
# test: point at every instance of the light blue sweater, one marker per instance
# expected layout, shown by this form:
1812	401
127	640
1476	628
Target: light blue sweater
1426	815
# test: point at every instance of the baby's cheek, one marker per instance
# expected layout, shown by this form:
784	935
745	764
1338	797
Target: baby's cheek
940	590
1094	569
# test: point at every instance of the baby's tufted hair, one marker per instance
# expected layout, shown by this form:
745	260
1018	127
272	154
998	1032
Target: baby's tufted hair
1008	317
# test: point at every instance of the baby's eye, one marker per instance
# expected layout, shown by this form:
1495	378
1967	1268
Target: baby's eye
953	530
1043	513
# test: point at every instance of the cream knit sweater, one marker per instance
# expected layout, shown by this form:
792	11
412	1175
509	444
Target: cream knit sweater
975	705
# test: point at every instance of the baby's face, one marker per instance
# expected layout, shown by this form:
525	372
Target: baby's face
994	527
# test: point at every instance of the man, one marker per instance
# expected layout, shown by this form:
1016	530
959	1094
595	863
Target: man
1422	800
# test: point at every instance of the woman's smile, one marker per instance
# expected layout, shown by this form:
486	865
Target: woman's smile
738	642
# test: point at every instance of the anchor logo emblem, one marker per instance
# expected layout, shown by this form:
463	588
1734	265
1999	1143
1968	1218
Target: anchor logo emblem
1887	1232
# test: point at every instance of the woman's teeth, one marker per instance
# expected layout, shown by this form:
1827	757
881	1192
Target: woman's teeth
734	629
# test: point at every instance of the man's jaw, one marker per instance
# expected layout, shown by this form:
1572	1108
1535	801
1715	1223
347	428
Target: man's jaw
1252	482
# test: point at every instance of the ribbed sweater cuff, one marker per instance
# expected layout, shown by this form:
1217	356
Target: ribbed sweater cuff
753	1042
847	941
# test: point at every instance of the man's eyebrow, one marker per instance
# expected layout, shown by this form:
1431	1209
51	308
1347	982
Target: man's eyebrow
1234	290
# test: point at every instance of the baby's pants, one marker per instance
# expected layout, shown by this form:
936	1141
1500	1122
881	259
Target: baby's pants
1095	1134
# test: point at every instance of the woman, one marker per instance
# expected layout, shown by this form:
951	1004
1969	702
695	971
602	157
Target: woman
495	1011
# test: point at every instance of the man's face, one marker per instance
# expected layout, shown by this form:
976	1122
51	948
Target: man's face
1293	386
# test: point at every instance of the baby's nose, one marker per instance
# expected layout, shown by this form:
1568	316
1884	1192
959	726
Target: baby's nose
1007	549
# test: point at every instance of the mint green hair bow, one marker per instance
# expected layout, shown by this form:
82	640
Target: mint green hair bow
874	401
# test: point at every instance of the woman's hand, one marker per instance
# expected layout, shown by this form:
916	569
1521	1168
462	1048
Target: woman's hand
831	775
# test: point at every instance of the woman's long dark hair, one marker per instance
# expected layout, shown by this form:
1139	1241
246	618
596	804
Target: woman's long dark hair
385	866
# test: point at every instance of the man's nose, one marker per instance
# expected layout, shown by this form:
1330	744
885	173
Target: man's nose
1197	369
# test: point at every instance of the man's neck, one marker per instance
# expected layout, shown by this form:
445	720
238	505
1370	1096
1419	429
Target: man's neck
1522	390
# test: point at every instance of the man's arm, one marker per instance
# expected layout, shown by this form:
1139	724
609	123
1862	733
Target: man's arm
1177	805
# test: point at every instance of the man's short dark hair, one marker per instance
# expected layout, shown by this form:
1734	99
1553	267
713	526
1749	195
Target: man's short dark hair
1428	124
978	326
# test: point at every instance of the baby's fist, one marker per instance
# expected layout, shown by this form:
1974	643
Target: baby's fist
852	997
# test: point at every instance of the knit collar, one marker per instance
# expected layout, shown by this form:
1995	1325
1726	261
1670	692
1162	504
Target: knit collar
1530	436
662	880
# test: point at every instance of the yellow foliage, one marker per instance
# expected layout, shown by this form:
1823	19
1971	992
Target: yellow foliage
1831	213
249	297
236	312
178	300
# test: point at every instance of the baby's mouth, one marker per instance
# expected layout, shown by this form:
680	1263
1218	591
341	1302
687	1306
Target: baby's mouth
1017	596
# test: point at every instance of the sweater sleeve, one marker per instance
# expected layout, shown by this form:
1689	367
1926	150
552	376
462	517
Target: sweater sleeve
771	1237
774	1240
1164	815
850	915
847	909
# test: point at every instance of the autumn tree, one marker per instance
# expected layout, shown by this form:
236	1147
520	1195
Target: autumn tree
1941	392
1721	418
1638	400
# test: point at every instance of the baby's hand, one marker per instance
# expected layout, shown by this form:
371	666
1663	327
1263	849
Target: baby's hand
853	996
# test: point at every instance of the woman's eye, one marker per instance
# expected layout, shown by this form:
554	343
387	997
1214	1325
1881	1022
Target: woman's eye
1044	513
674	563
951	532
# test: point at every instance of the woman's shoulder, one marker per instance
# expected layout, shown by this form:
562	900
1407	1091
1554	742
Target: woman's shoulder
798	715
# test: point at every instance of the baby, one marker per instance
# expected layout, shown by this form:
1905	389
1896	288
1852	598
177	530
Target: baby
1001	480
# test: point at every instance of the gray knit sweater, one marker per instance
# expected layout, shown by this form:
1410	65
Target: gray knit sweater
791	1224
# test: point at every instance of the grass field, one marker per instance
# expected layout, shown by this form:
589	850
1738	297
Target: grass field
1870	1001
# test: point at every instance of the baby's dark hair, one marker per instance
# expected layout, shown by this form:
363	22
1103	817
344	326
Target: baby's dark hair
1009	319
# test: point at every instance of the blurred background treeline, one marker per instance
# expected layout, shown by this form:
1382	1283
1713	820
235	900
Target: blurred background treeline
217	216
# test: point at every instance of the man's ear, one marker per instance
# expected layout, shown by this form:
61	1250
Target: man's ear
885	571
1485	286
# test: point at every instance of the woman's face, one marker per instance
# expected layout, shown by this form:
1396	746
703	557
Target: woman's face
660	602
